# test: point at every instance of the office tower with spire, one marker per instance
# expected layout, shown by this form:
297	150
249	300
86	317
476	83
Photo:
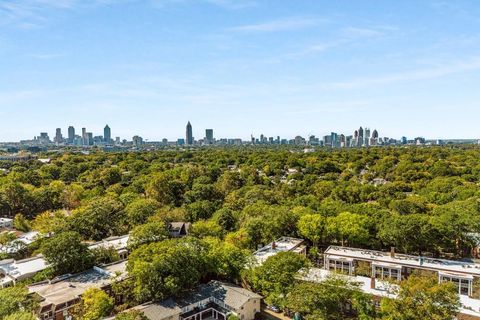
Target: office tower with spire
71	135
189	134
107	134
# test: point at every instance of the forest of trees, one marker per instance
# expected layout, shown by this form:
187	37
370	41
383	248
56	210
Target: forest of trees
419	200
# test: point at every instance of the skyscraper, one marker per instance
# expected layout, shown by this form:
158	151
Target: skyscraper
71	134
209	136
107	134
58	136
84	136
361	140
189	134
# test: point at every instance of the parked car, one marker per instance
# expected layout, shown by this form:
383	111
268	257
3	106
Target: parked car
274	309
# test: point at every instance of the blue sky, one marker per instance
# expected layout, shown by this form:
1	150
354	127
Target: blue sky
277	67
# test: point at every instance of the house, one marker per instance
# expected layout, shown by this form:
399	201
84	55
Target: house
178	229
119	244
379	272
284	244
12	271
215	300
57	297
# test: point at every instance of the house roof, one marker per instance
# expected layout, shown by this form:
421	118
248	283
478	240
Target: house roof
379	257
284	244
118	243
233	296
22	268
70	287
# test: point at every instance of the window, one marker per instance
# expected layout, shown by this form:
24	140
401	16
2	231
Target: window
463	285
339	266
387	273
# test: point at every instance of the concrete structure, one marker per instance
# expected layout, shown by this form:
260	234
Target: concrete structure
216	300
284	244
58	296
12	271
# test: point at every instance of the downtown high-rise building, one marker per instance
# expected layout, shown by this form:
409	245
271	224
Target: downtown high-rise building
189	134
107	134
58	136
209	136
84	136
71	135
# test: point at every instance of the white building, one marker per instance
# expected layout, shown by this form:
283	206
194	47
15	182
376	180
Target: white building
12	271
379	272
119	244
284	244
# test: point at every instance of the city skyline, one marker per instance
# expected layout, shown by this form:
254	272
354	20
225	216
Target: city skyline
306	67
207	136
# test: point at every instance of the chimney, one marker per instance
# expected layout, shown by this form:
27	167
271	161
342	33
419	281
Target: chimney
372	283
392	252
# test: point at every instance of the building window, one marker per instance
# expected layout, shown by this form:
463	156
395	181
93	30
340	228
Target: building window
339	266
387	273
463	285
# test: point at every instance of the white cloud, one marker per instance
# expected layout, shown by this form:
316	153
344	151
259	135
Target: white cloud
45	56
279	25
355	32
412	75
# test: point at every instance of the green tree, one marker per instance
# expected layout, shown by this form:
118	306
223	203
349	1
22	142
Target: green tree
20	223
154	231
409	233
96	304
14	299
166	268
21	316
348	228
104	255
66	253
50	222
99	219
166	189
422	297
206	228
312	227
276	276
140	210
224	260
329	300
131	315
